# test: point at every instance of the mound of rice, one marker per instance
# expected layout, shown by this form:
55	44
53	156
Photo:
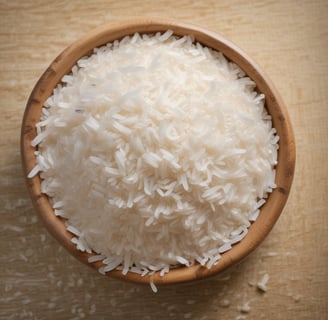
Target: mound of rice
157	152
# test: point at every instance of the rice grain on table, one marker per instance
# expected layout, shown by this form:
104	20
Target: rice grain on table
157	151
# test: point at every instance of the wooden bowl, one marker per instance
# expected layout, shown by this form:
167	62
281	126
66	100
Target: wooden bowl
104	34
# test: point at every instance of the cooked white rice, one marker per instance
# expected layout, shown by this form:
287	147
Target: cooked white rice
158	152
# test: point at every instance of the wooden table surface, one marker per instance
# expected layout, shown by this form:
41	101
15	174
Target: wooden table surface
40	280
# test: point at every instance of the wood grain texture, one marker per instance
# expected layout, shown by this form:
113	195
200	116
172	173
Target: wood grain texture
39	280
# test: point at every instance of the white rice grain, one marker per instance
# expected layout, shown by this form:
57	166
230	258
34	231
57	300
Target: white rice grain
262	284
34	171
153	286
95	258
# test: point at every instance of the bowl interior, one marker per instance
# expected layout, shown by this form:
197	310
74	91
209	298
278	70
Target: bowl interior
108	33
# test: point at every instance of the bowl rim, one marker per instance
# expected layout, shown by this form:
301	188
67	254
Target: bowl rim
61	65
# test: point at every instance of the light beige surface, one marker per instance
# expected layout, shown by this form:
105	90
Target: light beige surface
39	280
